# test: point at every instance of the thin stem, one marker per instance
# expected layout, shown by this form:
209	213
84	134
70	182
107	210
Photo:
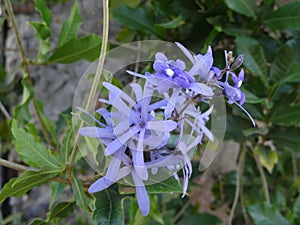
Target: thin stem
15	166
22	168
24	64
14	26
244	210
182	210
96	81
4	111
263	177
240	171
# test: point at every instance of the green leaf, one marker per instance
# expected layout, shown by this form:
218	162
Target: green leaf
27	180
286	17
70	26
296	211
288	116
45	13
33	153
286	138
135	19
293	73
38	222
108	208
285	59
126	35
205	218
176	22
266	214
42	31
267	157
48	124
117	3
245	7
79	194
252	98
67	145
254	58
21	112
61	210
57	189
87	48
166	186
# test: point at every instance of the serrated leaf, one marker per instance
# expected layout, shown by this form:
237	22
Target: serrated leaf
286	138
108	208
266	214
296	211
79	194
27	180
267	157
285	58
61	210
245	7
38	222
70	26
254	58
33	153
288	116
286	17
87	48
45	13
135	19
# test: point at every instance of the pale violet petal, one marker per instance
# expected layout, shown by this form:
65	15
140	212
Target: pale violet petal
95	132
138	157
202	89
100	185
186	52
162	126
141	194
121	140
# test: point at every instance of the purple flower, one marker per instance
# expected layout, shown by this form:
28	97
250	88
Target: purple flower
142	133
202	64
120	167
131	125
234	93
171	70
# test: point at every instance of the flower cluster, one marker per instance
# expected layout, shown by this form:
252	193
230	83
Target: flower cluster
160	124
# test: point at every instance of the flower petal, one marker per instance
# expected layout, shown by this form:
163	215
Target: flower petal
202	89
138	157
186	52
121	140
141	194
96	132
162	125
100	185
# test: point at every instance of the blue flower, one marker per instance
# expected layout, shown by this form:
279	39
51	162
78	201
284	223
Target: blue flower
234	93
171	70
131	125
